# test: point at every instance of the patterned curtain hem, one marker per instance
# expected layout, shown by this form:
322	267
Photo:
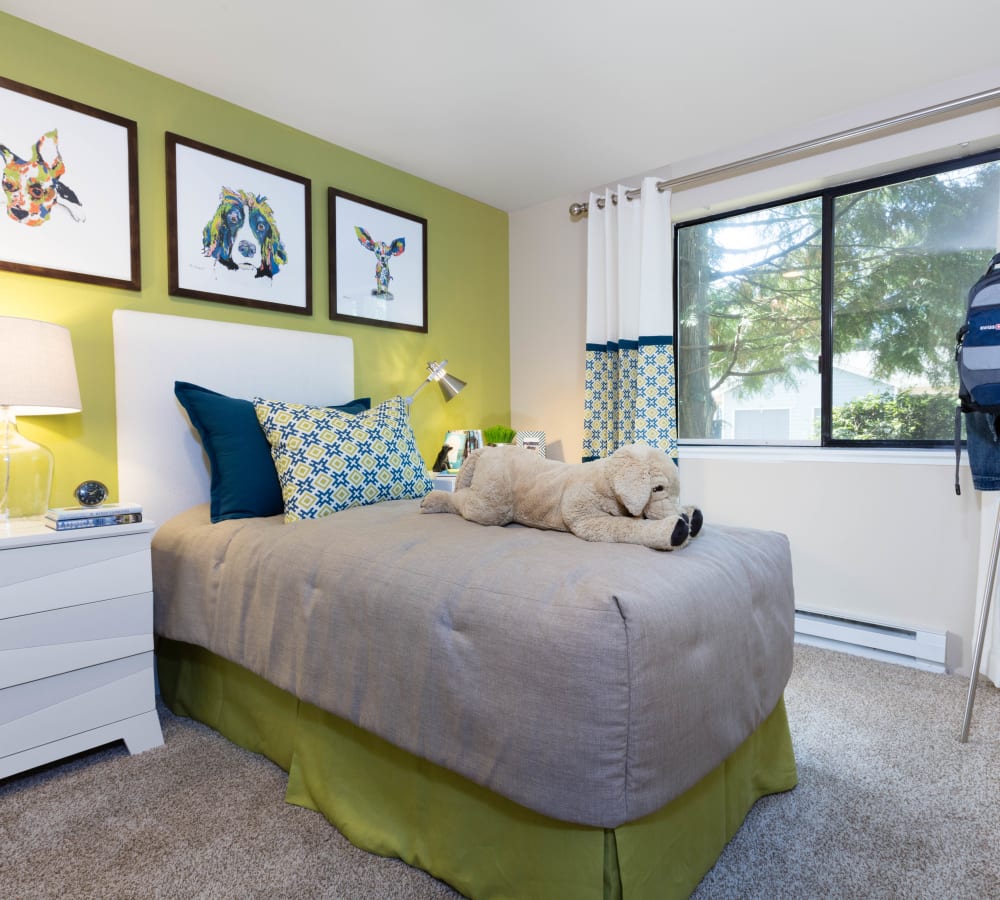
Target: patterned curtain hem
629	396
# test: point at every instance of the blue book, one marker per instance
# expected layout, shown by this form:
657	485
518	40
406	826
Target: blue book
93	521
89	512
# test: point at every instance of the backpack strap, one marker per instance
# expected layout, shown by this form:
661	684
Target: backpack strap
958	445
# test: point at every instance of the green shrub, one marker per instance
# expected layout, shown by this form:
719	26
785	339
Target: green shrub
904	417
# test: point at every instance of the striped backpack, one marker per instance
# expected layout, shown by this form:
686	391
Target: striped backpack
977	354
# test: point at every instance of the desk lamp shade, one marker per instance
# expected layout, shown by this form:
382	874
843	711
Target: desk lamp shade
450	385
37	378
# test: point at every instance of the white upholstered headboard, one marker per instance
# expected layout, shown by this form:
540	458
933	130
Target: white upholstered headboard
160	461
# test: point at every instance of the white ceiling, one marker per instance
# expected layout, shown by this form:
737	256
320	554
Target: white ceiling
514	103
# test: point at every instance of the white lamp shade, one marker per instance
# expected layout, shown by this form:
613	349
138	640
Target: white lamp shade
37	368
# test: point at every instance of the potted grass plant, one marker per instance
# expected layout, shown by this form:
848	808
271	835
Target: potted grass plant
498	435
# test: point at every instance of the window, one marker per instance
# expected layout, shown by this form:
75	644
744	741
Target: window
846	302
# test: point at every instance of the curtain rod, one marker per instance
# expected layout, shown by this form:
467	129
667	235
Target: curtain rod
579	209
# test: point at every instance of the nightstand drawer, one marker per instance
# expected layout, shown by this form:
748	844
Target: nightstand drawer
50	709
35	579
60	640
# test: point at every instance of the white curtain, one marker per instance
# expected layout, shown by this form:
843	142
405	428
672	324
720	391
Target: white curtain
630	383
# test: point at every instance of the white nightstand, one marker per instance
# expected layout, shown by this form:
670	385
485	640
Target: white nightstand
76	642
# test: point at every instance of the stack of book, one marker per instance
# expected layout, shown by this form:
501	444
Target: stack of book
65	518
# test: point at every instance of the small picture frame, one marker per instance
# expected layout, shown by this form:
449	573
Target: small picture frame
378	264
71	190
455	441
531	440
238	231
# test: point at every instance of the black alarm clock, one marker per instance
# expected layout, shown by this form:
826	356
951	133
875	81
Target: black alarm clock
91	493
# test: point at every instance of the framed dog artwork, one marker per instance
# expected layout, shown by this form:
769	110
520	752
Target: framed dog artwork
378	264
238	231
70	189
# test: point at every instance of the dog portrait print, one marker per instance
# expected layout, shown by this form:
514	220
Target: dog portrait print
33	187
383	253
243	233
219	235
265	230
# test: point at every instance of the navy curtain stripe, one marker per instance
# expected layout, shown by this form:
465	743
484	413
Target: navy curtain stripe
648	341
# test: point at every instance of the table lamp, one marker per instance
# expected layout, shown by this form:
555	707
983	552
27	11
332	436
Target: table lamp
37	377
450	385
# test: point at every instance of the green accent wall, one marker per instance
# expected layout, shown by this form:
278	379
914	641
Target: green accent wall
468	305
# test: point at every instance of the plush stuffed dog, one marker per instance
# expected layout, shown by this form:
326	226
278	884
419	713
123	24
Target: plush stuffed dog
630	497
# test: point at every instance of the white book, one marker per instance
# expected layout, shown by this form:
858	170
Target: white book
61	513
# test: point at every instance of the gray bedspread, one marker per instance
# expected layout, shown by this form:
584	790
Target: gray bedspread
590	682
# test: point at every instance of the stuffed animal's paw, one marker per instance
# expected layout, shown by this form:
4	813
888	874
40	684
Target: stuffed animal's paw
666	534
437	502
694	518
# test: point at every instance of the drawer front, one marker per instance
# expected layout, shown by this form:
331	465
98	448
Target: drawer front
50	709
58	640
35	579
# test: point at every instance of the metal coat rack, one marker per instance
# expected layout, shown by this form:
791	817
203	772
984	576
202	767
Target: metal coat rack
981	630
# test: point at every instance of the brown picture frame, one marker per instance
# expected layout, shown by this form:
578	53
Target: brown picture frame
238	231
70	189
378	264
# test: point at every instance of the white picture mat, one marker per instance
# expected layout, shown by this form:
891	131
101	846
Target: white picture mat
356	265
95	153
161	464
200	178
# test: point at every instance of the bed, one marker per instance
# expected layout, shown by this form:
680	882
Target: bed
518	712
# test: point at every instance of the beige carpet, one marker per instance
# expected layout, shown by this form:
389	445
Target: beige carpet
889	805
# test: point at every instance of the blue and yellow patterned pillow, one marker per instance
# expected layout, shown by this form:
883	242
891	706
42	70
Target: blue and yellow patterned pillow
328	460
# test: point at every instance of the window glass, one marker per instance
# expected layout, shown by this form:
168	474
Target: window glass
905	256
748	338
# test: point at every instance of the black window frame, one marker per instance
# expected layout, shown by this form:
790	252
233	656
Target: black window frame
827	196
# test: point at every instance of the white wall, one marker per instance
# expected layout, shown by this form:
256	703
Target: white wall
548	287
874	536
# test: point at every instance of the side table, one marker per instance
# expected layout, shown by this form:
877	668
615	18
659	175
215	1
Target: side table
76	641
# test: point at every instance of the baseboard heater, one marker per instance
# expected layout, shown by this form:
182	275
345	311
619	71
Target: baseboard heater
892	643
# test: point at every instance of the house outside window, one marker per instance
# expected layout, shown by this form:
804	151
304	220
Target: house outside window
845	301
761	424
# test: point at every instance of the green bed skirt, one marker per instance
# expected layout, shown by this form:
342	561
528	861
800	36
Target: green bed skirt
390	802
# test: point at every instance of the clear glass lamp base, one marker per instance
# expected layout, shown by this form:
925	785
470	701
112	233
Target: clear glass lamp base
25	472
